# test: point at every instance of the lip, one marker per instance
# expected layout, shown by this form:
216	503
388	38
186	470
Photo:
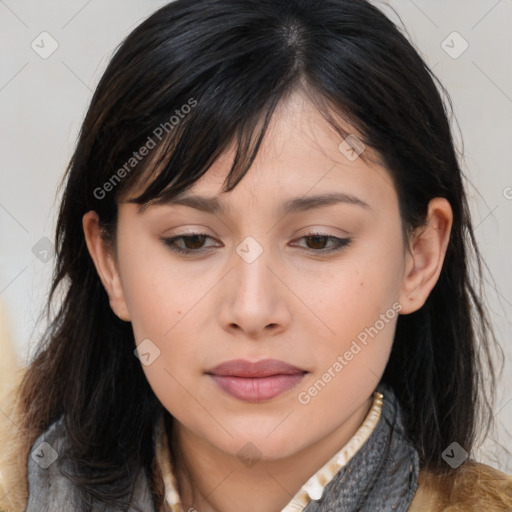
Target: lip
256	381
262	368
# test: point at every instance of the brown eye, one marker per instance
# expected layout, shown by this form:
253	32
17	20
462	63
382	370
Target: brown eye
316	242
192	242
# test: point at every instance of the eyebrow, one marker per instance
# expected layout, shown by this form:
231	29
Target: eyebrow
214	205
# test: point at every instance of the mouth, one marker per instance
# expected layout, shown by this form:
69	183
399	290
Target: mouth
256	381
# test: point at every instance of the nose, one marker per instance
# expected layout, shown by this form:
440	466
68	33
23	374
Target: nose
254	298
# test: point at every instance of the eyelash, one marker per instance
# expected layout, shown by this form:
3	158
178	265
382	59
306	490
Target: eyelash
340	243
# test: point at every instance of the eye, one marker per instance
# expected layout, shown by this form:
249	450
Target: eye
194	243
317	242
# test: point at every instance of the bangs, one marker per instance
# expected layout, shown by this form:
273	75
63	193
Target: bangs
185	154
174	108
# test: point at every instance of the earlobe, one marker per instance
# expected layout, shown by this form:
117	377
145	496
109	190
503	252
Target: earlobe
105	265
425	256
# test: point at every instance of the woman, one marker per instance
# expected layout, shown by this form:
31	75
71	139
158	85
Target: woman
266	242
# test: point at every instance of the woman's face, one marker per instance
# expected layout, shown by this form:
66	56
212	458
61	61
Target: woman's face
257	285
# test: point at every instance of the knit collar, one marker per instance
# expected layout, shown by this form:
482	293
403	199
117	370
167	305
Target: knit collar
355	466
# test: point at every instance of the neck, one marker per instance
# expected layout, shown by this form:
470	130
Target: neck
210	480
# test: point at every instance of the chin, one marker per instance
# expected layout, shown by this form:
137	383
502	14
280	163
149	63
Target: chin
256	445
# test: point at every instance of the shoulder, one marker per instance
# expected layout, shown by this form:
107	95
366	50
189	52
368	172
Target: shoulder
51	490
472	487
48	488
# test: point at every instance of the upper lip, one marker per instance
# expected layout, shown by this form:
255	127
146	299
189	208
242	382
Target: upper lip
262	368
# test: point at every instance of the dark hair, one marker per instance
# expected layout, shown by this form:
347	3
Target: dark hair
232	62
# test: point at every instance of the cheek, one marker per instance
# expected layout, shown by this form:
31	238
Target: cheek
157	293
375	274
357	303
162	305
354	294
176	368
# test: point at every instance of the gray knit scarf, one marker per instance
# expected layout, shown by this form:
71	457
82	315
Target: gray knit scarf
381	477
383	474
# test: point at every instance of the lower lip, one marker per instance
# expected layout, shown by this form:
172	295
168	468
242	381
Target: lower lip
257	389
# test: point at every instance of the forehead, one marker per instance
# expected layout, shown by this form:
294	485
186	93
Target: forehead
301	155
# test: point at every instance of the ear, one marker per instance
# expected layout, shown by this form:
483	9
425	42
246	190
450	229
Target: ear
105	263
425	255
